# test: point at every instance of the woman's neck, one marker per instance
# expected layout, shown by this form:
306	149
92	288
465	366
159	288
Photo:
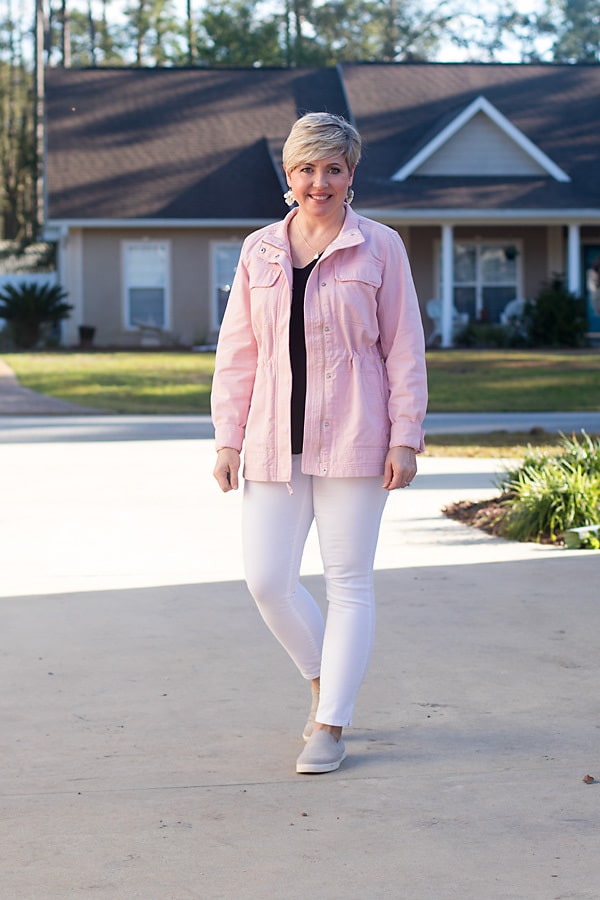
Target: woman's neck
321	227
309	236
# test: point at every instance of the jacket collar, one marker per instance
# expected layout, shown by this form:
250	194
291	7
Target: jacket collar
350	234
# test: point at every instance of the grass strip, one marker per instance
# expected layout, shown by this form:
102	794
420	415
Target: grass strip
177	382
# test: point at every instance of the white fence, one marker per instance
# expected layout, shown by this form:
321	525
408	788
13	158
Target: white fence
21	278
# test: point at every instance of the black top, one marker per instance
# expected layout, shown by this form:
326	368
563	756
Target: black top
298	355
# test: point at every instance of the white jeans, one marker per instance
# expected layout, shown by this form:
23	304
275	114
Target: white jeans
275	525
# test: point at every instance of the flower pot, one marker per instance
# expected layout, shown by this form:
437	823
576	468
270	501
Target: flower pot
86	336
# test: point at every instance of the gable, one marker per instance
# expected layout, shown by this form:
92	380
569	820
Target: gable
481	148
481	142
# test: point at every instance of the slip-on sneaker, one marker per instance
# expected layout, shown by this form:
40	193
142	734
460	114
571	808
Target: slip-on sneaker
321	754
310	722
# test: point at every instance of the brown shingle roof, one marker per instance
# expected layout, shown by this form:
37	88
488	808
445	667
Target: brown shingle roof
145	143
199	143
398	108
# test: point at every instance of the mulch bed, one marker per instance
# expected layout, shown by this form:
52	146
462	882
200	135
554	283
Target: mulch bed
487	515
484	514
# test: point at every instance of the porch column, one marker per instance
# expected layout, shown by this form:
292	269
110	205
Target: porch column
574	260
447	283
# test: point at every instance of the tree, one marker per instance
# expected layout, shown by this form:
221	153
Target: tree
153	29
301	33
232	34
17	154
577	31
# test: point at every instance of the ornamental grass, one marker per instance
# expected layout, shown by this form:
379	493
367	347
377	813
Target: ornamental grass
550	493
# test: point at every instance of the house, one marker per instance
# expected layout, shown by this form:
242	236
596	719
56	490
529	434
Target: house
489	172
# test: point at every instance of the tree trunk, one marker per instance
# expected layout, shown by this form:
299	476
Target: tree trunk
65	37
190	33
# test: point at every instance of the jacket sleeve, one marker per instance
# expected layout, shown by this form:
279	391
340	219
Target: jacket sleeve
403	346
235	364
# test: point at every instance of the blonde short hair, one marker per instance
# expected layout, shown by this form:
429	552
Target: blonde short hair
318	136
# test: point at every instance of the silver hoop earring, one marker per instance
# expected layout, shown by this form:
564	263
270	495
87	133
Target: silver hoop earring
350	195
289	197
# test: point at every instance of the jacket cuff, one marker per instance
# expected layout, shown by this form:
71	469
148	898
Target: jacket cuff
406	434
229	436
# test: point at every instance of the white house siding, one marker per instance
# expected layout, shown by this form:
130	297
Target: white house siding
480	148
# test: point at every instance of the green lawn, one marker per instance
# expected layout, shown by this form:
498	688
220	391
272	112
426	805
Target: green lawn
459	381
514	381
168	383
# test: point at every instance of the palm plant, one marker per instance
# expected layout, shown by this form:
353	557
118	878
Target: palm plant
29	307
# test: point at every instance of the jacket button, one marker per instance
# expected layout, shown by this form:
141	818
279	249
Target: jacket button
326	424
262	249
326	329
328	376
324	469
323	284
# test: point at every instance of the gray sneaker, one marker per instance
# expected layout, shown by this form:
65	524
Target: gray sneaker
321	754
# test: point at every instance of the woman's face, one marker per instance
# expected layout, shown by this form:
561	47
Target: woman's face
320	187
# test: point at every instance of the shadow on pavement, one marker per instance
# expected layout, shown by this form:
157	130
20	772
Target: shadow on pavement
150	737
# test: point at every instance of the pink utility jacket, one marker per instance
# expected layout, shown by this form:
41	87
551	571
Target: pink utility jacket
366	387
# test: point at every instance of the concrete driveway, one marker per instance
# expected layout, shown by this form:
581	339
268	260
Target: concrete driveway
151	724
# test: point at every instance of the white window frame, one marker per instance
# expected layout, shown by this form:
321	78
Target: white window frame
479	285
126	246
215	246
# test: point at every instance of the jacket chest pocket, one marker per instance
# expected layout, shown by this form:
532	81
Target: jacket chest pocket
265	283
356	289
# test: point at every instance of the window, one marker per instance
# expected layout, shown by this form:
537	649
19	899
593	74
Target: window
225	258
486	278
146	284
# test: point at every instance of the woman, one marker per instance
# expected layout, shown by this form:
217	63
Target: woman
320	373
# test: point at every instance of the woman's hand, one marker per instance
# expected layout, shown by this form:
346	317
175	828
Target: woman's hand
227	468
400	467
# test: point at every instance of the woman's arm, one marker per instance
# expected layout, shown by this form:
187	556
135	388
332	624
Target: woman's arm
235	366
403	346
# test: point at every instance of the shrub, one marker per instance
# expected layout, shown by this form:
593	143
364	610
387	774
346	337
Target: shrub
556	318
30	307
493	335
483	335
547	494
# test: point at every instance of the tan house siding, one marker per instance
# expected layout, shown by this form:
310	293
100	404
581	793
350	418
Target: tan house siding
480	147
535	250
421	254
99	297
102	285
